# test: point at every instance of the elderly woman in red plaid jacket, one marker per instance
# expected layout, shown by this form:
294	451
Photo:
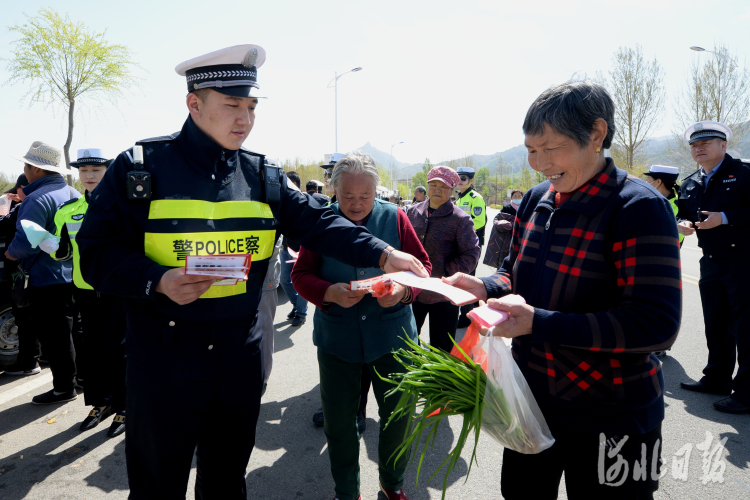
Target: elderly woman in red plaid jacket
595	255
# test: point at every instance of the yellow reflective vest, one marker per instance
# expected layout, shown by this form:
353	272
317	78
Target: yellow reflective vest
673	201
69	218
178	228
472	203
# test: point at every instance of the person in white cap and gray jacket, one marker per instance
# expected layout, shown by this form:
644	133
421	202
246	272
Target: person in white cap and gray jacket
50	282
714	203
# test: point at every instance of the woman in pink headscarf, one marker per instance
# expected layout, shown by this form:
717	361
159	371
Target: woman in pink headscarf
447	234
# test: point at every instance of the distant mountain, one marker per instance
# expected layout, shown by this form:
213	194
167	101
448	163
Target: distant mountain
657	153
382	159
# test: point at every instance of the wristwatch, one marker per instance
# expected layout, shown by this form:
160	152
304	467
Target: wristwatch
384	256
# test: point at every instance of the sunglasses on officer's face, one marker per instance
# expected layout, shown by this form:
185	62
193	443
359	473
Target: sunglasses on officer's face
328	173
463	178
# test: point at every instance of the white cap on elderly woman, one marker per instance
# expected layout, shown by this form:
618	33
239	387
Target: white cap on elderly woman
707	129
230	71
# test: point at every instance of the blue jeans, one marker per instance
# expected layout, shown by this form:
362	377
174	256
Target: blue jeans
299	304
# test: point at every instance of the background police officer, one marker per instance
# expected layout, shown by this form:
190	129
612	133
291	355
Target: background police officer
714	203
190	354
102	317
471	202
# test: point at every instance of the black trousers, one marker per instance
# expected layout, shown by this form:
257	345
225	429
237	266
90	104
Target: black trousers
29	348
593	467
51	318
466	308
82	358
443	322
191	387
103	328
364	387
726	315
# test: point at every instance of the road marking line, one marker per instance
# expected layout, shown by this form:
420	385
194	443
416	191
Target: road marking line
696	278
12	394
693	249
685	280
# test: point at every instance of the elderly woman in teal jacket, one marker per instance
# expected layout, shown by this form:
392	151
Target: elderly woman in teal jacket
352	328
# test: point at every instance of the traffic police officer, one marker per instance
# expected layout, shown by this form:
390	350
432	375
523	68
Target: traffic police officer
472	203
102	316
190	354
714	203
327	173
664	179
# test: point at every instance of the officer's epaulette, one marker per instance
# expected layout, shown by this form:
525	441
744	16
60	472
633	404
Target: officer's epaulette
743	161
251	153
473	193
71	201
163	138
696	172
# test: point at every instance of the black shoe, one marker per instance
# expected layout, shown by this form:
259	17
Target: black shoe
701	387
318	419
291	314
50	398
118	425
95	417
19	372
298	320
730	405
361	422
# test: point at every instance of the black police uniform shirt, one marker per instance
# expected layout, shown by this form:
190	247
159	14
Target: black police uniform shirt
728	191
191	174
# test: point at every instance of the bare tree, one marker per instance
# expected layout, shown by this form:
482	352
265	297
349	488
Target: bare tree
637	87
710	76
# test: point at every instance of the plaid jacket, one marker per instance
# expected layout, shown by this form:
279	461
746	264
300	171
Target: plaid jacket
603	273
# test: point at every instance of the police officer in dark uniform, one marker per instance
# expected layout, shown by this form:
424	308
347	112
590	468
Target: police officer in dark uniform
327	173
471	202
714	203
190	354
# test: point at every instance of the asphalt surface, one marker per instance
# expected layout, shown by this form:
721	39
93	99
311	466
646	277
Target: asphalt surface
44	456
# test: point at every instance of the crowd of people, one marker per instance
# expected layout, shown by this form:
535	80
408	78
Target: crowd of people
593	251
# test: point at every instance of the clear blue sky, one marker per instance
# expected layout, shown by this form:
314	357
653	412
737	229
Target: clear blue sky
447	78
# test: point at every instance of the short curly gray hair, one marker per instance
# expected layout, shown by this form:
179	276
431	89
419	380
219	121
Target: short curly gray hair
356	163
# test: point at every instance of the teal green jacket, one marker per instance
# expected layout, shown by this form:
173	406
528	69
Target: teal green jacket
365	331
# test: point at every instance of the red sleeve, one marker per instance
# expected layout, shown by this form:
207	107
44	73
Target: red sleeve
410	244
306	280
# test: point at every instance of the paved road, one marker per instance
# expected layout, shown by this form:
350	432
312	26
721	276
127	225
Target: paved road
42	458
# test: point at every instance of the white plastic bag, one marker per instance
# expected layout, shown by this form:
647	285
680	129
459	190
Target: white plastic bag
511	415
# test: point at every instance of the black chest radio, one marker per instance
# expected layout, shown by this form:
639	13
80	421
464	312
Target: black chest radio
139	180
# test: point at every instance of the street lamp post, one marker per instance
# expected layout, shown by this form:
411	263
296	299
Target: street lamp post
336	104
394	181
724	77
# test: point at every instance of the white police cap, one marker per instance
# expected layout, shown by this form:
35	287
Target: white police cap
707	129
663	172
231	71
335	157
90	156
468	171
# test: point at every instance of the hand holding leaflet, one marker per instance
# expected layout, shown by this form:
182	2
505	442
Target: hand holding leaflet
232	268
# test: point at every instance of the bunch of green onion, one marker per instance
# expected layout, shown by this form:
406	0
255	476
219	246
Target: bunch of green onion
437	381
